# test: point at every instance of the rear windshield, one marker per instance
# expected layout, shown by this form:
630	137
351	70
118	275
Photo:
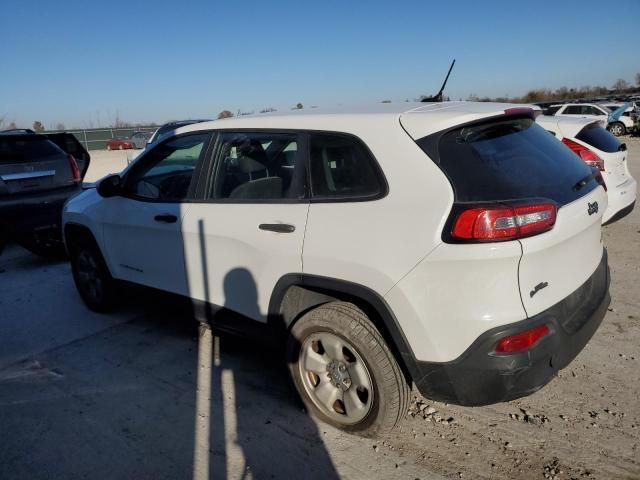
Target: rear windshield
27	149
600	138
508	159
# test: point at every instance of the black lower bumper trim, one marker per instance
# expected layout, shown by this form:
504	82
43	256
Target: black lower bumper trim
481	377
621	214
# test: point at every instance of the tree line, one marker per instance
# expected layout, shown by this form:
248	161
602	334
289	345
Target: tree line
620	87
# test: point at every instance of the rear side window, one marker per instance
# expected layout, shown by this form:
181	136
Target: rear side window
27	149
508	159
600	138
573	110
343	168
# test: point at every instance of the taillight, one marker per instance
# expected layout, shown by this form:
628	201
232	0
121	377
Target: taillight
504	222
75	171
522	341
589	157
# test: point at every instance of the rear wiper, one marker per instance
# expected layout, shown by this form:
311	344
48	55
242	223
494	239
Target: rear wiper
584	181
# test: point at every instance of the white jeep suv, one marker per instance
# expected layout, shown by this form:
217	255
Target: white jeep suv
453	245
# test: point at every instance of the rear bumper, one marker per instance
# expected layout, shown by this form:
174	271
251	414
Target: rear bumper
621	200
481	377
39	214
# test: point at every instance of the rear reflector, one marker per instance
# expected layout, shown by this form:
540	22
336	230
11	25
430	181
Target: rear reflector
75	171
589	157
522	341
504	222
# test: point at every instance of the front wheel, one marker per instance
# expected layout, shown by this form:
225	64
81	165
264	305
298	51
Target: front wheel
344	371
618	129
91	275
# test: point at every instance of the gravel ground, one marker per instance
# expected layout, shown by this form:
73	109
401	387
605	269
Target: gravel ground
121	396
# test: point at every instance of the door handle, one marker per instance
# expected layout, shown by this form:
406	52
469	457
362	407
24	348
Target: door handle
166	218
277	227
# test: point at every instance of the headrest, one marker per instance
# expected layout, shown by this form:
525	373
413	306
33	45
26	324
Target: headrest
249	165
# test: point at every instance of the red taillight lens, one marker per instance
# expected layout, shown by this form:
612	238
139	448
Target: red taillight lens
522	341
502	222
75	171
589	157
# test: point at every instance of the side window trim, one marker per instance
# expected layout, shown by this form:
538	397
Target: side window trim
379	173
210	168
147	158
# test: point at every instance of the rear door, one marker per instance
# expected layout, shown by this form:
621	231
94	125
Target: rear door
70	144
248	230
31	163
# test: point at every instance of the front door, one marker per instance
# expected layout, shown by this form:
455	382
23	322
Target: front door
142	228
248	230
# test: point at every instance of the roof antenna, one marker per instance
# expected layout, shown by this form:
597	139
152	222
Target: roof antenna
438	97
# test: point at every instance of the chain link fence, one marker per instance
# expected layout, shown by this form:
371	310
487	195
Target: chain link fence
97	138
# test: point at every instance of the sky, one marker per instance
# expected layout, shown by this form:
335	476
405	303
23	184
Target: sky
82	63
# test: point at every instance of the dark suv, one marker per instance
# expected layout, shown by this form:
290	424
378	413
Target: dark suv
38	173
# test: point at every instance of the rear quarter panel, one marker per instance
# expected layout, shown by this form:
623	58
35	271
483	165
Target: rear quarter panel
375	243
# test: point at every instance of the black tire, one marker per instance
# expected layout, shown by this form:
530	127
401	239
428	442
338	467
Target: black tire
346	321
617	129
92	278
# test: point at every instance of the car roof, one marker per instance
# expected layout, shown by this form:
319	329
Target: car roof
419	119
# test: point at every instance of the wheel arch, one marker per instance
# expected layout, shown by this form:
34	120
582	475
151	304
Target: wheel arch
296	294
75	233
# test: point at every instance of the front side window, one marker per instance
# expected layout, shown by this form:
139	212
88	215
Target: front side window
166	172
258	166
573	110
342	168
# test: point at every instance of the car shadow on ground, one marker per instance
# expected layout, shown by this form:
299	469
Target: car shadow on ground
156	397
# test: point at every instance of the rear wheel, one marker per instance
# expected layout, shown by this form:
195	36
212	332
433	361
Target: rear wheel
120	147
618	129
91	275
344	371
108	147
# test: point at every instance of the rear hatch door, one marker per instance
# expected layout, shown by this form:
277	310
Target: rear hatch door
610	149
511	160
70	144
30	163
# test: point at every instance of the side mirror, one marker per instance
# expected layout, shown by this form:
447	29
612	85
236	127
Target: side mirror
110	186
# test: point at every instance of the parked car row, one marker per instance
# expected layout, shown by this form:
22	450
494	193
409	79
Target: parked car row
456	246
619	118
136	140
